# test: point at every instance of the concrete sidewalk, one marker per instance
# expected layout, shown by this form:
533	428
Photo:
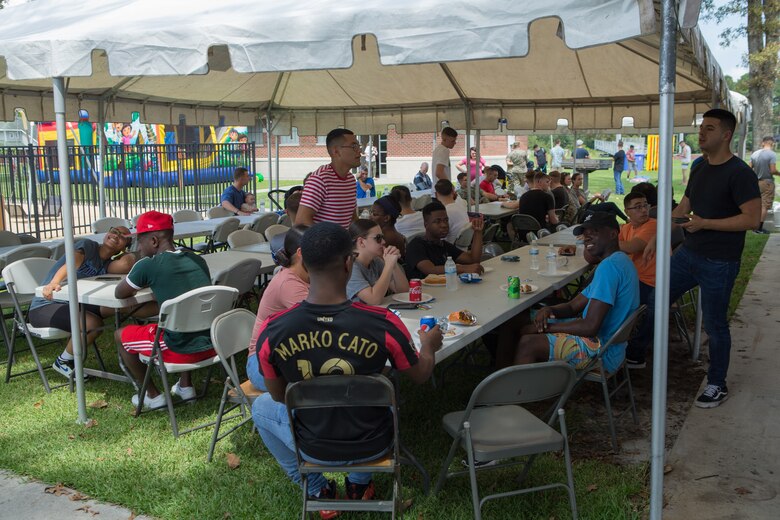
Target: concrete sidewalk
726	460
28	500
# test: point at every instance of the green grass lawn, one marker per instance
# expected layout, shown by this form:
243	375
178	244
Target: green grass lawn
136	462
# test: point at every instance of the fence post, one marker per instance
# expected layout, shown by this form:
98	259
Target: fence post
123	160
196	179
33	176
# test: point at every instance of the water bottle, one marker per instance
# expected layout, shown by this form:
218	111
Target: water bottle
262	205
534	254
365	214
552	260
386	191
451	274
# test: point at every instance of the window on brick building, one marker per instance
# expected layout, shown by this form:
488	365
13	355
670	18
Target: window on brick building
321	140
256	135
290	140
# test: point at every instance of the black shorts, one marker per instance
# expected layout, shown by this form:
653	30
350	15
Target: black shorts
56	315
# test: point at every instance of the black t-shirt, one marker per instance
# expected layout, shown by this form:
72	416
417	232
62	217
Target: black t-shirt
310	340
420	249
541	157
536	203
620	158
717	192
560	196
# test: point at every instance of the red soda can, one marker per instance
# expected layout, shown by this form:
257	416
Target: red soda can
427	323
415	290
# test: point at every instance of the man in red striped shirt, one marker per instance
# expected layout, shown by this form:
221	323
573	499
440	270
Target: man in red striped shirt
330	193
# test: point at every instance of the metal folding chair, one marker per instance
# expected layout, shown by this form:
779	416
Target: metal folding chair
494	426
522	224
218	239
193	311
244	237
230	335
275	229
346	392
241	277
596	373
21	278
102	225
219	212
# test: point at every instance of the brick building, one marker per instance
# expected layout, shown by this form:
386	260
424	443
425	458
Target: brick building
400	155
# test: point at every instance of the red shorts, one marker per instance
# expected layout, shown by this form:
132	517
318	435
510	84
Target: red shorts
139	339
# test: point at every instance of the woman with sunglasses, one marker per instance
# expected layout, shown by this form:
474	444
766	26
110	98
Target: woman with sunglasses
290	285
92	259
375	270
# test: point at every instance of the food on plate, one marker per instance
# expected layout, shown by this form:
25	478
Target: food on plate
450	333
463	317
435	279
525	288
567	250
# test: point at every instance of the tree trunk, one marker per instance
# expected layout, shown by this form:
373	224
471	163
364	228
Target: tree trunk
762	51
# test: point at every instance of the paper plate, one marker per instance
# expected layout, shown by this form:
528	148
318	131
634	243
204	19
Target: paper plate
404	298
426	284
557	273
452	333
533	288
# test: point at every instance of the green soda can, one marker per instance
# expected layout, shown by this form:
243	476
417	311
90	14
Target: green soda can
513	287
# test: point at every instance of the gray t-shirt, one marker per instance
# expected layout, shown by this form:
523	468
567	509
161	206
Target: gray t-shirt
761	161
363	277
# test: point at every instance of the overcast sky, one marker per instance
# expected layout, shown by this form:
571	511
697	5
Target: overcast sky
729	58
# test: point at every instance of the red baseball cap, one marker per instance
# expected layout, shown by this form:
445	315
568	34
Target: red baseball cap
153	221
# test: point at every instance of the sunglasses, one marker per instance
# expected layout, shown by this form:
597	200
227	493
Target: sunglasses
378	238
118	232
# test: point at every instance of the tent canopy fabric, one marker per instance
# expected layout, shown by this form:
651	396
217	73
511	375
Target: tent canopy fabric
364	65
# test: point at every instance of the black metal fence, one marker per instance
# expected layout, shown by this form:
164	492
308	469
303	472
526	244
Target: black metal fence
137	178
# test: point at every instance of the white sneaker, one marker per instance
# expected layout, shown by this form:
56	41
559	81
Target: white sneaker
156	403
185	392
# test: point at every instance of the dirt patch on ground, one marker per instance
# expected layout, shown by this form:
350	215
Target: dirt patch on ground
590	435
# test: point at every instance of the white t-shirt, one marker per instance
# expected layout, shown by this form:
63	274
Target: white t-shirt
459	219
685	153
409	225
441	155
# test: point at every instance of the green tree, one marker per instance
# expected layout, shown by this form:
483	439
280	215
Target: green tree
762	28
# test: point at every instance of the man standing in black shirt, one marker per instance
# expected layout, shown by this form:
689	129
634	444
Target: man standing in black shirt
617	168
540	154
327	334
723	201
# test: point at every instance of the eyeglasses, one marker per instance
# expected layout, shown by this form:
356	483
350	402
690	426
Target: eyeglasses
639	207
118	232
354	146
378	238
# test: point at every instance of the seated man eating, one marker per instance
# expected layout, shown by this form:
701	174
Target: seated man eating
427	254
327	334
558	331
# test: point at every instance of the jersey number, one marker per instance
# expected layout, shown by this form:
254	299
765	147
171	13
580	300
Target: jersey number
329	367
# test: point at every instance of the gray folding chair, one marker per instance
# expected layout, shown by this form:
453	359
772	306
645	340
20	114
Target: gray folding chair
596	373
102	225
464	239
242	277
489	235
58	251
230	335
263	222
193	311
494	426
342	392
244	237
21	278
187	215
26	251
420	202
218	239
522	224
275	229
219	212
544	232
284	220
9	239
27	238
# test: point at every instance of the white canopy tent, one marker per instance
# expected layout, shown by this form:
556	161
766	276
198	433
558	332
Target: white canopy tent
368	65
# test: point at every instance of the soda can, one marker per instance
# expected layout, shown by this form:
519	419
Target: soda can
415	290
513	287
427	323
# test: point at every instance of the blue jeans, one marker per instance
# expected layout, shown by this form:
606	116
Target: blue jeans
253	373
618	182
715	279
272	422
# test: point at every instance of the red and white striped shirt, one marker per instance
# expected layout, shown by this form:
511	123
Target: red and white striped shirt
332	198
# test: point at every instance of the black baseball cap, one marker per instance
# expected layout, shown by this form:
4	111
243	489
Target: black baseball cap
595	220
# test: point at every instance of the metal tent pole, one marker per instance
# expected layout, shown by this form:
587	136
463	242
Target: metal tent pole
468	156
477	190
70	260
666	89
101	157
270	154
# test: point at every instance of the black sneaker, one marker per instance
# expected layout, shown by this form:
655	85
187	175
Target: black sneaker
760	231
712	396
359	491
632	364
